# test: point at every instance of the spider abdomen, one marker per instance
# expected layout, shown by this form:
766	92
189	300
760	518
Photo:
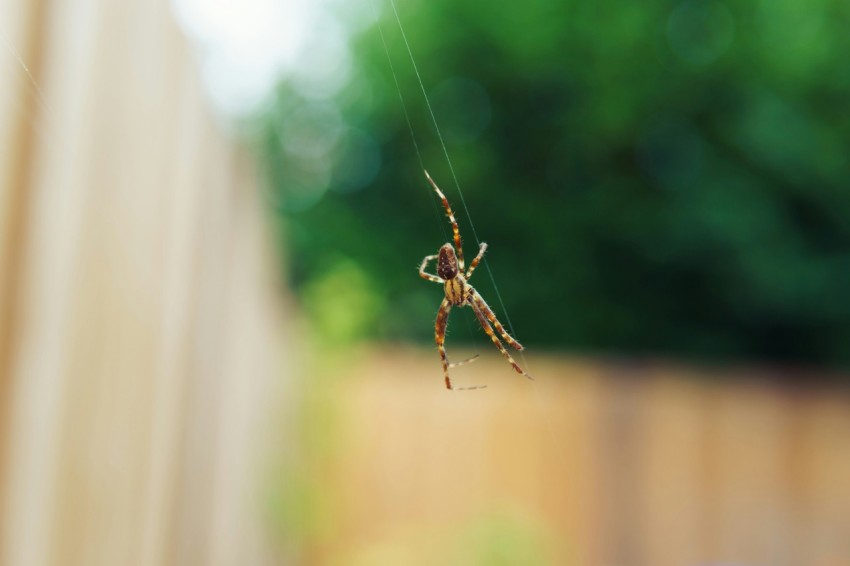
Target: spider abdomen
447	266
456	290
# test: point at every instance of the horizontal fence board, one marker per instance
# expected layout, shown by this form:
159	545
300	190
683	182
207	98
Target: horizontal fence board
650	464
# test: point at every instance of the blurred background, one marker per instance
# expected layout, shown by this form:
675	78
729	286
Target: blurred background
215	347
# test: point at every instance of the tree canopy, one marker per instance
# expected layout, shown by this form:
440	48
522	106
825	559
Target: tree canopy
653	178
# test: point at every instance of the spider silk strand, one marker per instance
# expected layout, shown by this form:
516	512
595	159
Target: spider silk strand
34	84
406	115
434	204
452	170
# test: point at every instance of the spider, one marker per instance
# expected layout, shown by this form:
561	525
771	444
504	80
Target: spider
459	293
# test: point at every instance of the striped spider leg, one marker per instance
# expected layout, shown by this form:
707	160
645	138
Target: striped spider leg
459	293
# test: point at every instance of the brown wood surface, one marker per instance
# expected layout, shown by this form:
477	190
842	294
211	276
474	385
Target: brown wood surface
140	342
650	464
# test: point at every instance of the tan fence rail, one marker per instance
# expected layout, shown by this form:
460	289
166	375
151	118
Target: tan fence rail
592	464
138	340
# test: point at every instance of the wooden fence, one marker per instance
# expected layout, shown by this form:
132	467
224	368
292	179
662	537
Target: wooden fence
139	334
593	464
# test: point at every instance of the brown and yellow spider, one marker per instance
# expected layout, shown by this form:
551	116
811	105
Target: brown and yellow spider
459	293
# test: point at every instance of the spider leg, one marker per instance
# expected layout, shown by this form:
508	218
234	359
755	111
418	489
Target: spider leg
463	362
479	302
482	319
440	336
476	260
428	276
450	214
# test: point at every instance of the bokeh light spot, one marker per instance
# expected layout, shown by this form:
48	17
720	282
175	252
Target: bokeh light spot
671	153
358	162
247	47
312	130
700	31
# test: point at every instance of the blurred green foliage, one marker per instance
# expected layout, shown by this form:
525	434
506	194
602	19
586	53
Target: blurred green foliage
652	177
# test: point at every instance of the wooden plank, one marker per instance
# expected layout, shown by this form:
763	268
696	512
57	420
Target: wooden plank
149	328
21	112
672	429
824	466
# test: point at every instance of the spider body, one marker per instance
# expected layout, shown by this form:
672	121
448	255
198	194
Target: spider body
455	286
459	293
447	262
